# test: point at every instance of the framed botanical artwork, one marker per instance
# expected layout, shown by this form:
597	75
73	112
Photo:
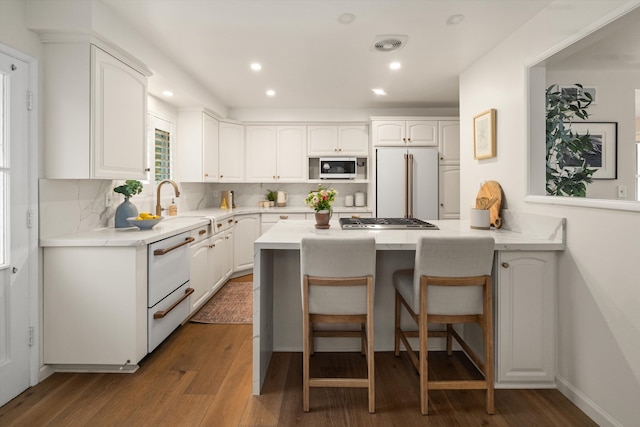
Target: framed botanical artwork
604	157
484	135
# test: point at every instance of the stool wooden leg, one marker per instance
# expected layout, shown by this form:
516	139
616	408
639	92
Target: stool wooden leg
397	326
449	339
424	334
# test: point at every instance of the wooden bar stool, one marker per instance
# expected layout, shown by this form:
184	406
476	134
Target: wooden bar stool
338	287
450	284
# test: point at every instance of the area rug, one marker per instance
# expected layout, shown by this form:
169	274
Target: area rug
232	304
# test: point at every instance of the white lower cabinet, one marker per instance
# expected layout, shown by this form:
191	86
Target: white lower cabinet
95	305
525	313
222	246
245	231
201	272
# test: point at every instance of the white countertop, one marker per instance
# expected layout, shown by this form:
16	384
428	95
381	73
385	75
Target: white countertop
185	221
132	236
287	235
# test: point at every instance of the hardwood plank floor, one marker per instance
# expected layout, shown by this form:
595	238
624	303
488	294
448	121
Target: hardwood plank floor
201	376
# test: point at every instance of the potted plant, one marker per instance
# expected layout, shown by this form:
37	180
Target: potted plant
568	172
272	197
126	209
320	200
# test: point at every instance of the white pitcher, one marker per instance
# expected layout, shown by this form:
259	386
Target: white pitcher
283	196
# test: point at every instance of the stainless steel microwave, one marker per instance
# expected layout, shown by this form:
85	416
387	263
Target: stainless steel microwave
338	167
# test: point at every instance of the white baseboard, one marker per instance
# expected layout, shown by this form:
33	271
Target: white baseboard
588	406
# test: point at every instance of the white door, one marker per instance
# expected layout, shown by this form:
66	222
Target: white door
15	351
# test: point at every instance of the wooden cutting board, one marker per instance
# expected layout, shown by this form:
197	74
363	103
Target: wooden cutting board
489	190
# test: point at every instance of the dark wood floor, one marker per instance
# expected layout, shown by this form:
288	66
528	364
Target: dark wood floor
201	376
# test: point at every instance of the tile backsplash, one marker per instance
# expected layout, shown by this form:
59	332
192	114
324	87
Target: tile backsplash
73	206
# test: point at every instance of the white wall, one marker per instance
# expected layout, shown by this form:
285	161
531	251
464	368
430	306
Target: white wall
598	292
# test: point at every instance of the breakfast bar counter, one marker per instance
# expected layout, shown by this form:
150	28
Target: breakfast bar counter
529	243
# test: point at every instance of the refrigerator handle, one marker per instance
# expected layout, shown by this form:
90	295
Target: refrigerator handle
406	186
410	195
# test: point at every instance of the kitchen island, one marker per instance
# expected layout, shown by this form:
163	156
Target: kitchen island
524	283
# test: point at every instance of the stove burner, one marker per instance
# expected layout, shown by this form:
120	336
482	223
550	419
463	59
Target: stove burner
386	224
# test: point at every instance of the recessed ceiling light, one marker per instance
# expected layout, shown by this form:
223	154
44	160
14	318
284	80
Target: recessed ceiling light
455	19
256	67
346	18
167	93
395	65
271	92
379	91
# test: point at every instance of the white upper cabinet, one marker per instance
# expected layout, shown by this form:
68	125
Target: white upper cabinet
405	132
95	108
291	154
449	138
276	154
210	148
261	153
197	147
342	140
231	152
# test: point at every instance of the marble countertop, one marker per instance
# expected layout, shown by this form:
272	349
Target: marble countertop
287	235
185	221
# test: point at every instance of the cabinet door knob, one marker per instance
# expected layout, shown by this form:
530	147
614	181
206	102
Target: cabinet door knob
147	169
229	221
442	204
441	158
206	175
218	225
221	176
505	265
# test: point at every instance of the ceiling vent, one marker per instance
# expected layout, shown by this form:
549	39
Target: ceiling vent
389	43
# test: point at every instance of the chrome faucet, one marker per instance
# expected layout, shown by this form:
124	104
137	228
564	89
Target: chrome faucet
175	189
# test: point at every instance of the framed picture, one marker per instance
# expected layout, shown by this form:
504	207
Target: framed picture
484	134
575	90
604	137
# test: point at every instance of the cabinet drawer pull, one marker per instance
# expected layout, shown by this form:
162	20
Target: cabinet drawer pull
201	232
505	265
355	216
206	175
229	221
284	216
161	314
171	248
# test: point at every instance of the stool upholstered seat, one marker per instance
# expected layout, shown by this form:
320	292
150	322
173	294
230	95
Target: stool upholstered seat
450	284
338	288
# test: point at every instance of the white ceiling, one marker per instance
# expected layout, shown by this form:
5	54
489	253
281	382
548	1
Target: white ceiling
311	60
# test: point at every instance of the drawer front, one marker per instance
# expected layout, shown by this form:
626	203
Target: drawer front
201	233
163	319
223	224
275	217
168	262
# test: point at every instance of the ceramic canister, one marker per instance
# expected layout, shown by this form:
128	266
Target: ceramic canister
359	198
479	219
348	200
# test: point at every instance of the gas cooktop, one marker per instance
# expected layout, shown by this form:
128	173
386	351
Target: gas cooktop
386	224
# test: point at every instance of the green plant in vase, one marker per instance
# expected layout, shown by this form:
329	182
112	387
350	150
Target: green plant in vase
126	209
567	170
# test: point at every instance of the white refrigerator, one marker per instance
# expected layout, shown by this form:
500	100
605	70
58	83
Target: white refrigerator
407	182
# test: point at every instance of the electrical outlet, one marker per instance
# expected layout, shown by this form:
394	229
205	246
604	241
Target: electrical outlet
622	191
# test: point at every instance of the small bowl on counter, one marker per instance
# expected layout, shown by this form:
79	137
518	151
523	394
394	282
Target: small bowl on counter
144	224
